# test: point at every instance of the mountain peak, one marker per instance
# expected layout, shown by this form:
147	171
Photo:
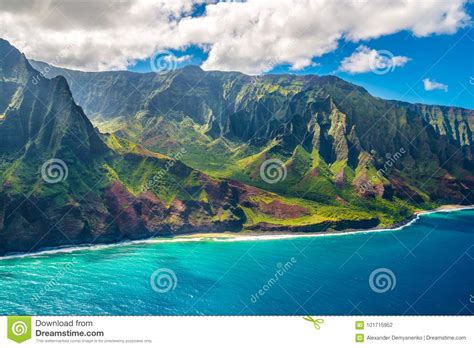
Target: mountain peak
13	63
9	54
5	46
37	110
189	68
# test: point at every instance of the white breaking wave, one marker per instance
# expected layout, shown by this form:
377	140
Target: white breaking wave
225	239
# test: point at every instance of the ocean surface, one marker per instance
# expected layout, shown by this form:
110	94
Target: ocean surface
426	267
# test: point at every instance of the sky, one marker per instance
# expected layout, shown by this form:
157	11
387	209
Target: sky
412	50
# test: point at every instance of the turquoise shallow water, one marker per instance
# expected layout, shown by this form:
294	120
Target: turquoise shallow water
431	264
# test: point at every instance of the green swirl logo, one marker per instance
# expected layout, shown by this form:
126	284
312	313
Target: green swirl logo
19	329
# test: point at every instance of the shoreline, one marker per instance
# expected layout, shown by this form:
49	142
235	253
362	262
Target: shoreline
238	236
253	235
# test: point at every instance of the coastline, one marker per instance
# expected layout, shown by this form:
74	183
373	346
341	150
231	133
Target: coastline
254	235
239	236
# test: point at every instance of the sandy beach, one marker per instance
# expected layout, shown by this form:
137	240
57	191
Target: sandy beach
238	236
253	235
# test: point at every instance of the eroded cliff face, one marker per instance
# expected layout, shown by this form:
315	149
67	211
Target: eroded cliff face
99	189
63	183
347	159
111	215
455	123
338	124
238	105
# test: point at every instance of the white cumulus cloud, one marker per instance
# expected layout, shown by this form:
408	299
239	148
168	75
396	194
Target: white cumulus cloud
365	59
251	36
431	85
182	59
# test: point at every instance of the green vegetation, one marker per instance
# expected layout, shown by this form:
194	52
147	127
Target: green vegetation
173	160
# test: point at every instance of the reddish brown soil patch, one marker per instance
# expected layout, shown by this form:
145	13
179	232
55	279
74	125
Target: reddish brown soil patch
281	210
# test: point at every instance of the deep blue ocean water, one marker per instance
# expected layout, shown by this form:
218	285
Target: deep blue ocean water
431	263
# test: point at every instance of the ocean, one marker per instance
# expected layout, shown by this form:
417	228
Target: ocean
424	268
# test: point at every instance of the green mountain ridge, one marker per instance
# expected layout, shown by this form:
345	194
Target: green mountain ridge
195	151
334	136
104	188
